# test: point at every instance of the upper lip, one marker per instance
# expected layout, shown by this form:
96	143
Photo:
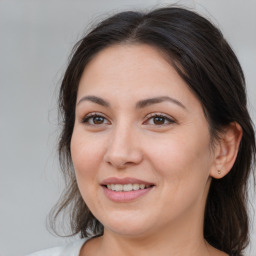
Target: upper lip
127	180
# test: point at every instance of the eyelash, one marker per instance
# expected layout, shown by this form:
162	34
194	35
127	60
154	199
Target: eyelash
159	115
91	116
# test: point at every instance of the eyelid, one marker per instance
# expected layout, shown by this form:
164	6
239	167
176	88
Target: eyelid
85	118
170	119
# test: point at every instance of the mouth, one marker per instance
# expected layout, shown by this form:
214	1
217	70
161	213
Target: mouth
125	189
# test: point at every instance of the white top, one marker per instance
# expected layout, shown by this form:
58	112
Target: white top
72	249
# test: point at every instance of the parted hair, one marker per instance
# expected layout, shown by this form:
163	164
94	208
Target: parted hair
206	62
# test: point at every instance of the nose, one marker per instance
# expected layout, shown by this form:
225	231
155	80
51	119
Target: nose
123	149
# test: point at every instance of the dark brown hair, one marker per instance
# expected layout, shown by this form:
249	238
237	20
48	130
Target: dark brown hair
203	58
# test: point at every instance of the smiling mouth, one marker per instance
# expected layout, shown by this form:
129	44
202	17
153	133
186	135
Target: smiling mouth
124	190
127	187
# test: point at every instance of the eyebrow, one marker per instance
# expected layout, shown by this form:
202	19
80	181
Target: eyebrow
139	104
151	101
94	99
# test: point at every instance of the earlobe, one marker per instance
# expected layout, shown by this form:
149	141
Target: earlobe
226	150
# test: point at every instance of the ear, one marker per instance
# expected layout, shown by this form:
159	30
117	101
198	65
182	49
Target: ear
226	150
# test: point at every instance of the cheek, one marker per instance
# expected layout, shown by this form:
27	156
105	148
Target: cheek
182	160
86	152
183	168
178	151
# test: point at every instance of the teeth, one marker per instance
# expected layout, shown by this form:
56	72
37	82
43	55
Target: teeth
126	187
135	186
142	186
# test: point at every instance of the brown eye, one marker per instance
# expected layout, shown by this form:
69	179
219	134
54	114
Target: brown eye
159	120
95	119
98	120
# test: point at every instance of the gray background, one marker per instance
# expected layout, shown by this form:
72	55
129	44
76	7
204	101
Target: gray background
35	40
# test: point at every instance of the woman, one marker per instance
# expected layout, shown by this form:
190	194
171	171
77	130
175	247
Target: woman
157	143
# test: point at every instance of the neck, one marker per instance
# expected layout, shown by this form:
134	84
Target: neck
147	246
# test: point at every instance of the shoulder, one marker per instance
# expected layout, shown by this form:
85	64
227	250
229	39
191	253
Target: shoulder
71	249
48	252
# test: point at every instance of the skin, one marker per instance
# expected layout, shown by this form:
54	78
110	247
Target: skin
173	152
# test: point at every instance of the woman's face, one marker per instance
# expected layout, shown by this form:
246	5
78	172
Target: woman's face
141	144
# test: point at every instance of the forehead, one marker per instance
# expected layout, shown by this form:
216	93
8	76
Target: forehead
135	70
129	58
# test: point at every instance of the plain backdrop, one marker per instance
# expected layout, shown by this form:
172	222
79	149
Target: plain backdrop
36	38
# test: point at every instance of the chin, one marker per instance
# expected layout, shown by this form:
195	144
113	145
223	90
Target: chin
130	225
131	231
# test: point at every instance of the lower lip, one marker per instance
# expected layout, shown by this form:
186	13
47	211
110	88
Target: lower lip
120	197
